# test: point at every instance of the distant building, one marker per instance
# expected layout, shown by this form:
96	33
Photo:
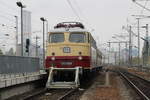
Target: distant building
10	52
26	29
18	50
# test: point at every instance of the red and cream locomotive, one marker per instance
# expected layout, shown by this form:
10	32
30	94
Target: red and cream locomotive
71	50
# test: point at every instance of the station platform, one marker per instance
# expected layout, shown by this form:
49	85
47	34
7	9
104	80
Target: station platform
7	80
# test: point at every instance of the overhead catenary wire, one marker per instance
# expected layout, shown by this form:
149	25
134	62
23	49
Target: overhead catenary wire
79	14
7	13
144	6
82	14
73	9
8	6
4	17
8	26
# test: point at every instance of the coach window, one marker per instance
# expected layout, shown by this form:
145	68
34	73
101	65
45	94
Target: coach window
77	37
56	37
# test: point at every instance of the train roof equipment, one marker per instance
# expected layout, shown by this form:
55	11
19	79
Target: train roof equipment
69	25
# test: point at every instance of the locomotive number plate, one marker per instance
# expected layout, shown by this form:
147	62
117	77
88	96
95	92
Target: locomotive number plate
66	50
66	63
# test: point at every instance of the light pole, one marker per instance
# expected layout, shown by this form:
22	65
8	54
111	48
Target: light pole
16	27
109	45
115	54
19	4
36	50
130	46
138	31
46	32
138	20
147	42
43	20
47	29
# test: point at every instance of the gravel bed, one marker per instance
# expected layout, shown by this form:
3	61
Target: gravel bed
117	89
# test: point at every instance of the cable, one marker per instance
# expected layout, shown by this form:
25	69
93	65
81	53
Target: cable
2	16
144	6
10	14
80	11
82	14
8	26
7	5
68	1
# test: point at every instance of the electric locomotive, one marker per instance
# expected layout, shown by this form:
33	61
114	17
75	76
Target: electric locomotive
71	52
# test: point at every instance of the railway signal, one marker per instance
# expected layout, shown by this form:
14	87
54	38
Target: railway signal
27	45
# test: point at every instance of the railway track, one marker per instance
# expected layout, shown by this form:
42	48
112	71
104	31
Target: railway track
69	93
140	85
55	94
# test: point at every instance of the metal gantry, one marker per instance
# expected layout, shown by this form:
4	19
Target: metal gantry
119	47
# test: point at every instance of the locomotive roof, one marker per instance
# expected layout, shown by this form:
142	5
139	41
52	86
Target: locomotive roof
69	30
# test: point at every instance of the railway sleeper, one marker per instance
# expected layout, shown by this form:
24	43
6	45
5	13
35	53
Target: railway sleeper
63	77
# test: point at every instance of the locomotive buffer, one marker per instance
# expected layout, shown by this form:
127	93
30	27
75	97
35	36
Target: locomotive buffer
60	77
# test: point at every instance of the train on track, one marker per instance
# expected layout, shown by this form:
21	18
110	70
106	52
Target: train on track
71	53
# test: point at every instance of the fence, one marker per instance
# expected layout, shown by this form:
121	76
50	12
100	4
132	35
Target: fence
17	64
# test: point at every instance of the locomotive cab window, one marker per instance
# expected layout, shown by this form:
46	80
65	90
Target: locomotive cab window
77	37
56	37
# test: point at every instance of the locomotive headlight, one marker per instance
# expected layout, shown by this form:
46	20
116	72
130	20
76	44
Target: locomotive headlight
53	58
80	58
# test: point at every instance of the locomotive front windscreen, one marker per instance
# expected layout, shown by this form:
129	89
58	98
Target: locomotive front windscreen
56	37
77	37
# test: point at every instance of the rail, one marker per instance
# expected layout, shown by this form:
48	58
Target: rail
67	94
140	85
62	96
34	94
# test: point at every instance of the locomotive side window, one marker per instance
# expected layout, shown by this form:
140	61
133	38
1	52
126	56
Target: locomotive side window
56	37
77	37
88	37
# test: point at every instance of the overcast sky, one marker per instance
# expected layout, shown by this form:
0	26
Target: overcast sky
106	17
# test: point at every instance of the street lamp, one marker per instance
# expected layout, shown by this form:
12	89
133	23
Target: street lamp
16	27
43	20
19	4
36	43
47	29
